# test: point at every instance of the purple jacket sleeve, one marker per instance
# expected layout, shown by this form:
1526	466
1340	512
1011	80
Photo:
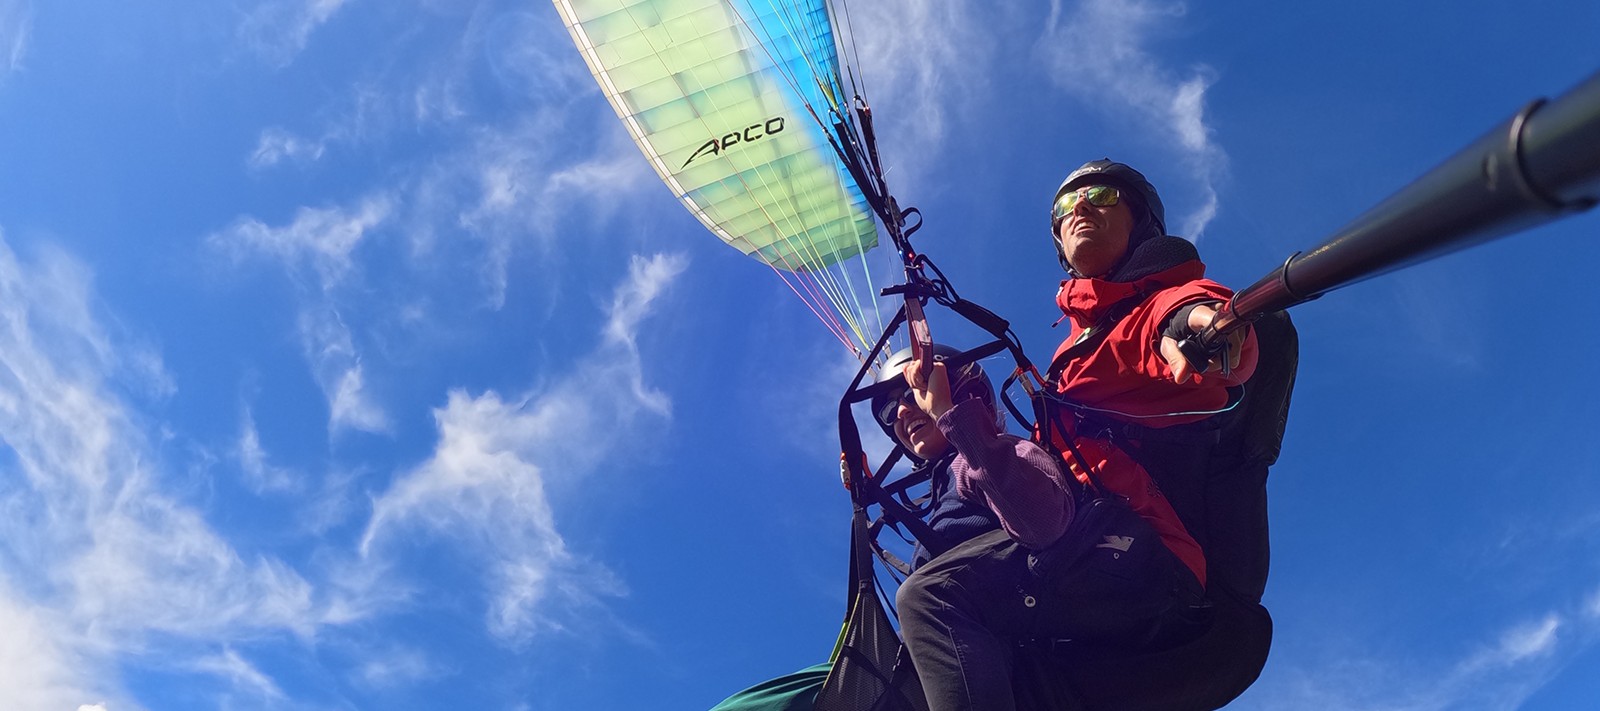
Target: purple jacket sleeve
1014	477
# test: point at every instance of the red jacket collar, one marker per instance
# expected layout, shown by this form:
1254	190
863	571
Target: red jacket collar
1086	299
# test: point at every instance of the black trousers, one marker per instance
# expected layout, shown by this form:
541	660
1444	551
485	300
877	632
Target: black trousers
963	615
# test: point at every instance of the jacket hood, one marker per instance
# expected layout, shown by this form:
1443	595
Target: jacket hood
1153	265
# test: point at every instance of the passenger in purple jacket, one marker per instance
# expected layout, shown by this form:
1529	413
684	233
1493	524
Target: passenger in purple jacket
984	482
1010	566
982	478
974	594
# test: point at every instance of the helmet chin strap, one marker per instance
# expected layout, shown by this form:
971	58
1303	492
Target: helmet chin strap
1061	256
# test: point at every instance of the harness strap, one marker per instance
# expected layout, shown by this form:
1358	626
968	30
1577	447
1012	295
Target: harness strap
1090	337
1203	432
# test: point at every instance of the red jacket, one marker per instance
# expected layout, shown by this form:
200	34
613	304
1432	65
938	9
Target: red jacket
1127	375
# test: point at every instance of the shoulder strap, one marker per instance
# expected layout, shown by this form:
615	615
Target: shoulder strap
1090	337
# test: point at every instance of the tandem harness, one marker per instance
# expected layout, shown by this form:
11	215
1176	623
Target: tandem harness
1221	500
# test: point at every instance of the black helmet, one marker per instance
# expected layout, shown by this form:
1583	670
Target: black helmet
967	382
1149	222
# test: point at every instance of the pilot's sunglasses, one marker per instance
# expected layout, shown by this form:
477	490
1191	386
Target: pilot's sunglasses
1097	195
888	406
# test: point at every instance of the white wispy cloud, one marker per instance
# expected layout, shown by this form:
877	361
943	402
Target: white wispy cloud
238	671
397	668
495	190
38	669
276	145
317	250
437	102
319	240
1101	52
334	502
1501	673
485	484
519	49
915	58
359	589
1525	641
490	191
16	25
155	565
365	112
259	474
277	30
506	190
97	553
499	187
336	364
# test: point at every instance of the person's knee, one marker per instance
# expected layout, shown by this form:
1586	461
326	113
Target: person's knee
924	597
923	610
915	596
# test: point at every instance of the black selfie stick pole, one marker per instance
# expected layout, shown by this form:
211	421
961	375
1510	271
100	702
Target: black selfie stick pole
1541	165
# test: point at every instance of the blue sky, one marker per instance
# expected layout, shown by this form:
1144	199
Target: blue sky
354	358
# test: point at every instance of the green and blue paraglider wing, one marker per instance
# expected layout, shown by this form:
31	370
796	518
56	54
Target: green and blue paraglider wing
729	101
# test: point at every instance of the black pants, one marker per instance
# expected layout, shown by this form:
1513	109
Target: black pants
963	614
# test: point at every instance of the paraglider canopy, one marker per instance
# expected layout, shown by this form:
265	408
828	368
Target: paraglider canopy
740	108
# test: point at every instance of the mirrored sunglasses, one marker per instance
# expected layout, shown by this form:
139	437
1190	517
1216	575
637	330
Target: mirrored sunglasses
1097	195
